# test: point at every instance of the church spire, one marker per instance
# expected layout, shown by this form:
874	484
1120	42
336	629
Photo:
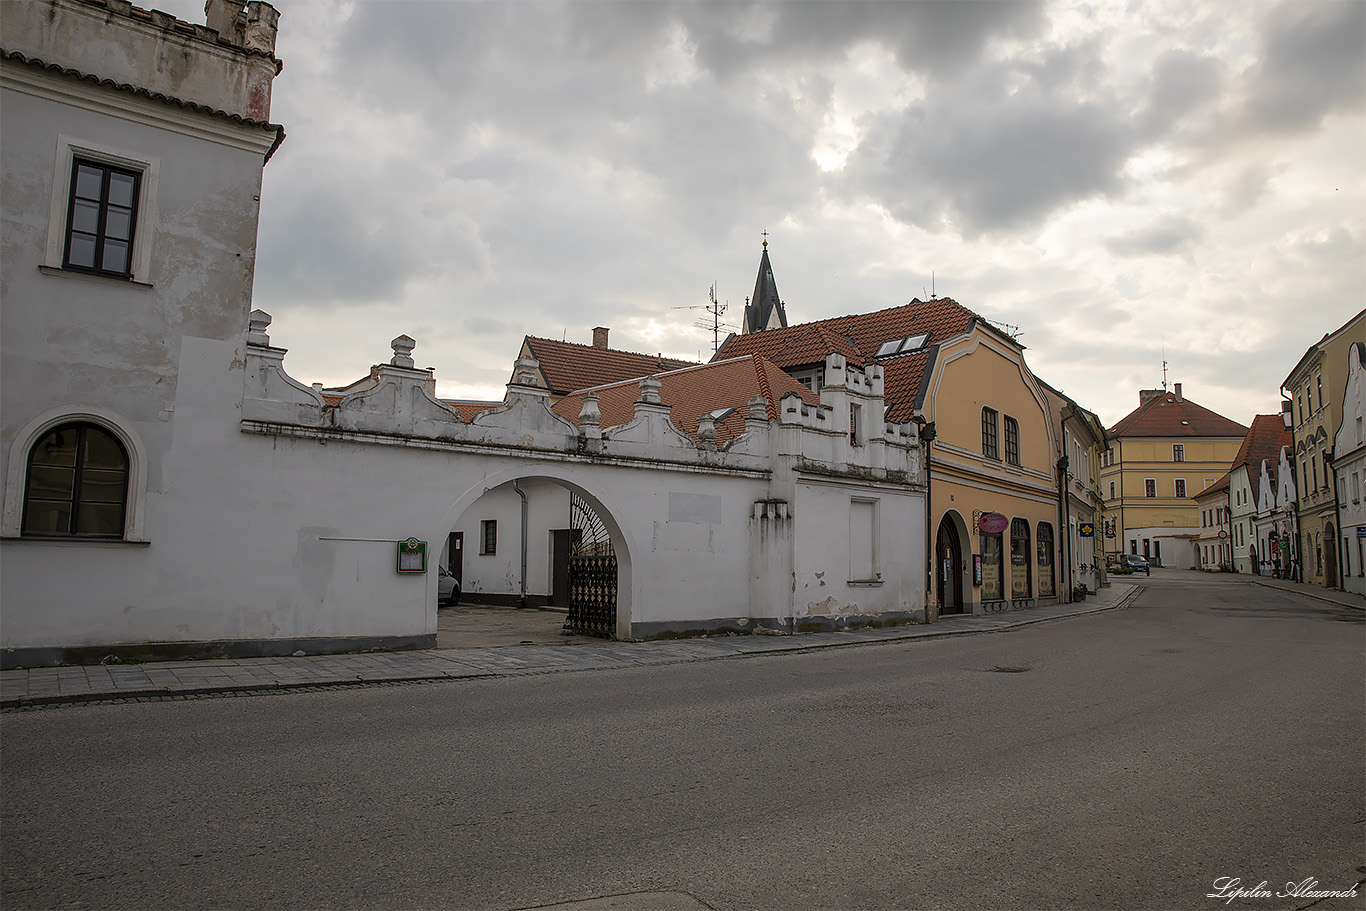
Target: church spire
765	309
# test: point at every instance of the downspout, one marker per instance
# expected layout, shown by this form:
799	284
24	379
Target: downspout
1066	522
522	493
1297	573
927	435
1331	456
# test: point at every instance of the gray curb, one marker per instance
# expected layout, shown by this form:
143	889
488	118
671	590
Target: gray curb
164	693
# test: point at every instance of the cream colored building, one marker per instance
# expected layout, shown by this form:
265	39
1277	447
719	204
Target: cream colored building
1160	456
1315	389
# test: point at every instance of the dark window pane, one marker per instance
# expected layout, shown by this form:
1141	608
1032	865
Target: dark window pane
82	251
118	223
57	448
102	450
121	189
115	256
100	519
88	182
85	216
100	485
51	483
46	518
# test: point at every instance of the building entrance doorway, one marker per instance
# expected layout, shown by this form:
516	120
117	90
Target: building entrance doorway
948	562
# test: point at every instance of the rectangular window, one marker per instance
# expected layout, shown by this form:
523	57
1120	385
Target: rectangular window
990	441
862	540
488	538
855	413
101	215
1150	487
1112	490
1180	487
1012	432
1318	382
1178	452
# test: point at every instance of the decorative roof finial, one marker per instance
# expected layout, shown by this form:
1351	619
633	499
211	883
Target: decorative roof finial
765	234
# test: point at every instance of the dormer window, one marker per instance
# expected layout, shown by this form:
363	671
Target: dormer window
903	345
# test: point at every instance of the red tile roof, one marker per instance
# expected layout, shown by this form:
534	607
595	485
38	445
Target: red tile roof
694	391
467	410
1263	441
567	366
858	337
1165	416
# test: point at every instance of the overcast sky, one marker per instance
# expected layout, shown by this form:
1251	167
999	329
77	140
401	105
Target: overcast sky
1122	182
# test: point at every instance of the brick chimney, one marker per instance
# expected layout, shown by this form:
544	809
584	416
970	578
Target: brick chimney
1147	395
1178	393
600	336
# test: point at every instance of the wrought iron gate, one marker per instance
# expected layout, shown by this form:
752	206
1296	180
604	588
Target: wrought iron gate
592	574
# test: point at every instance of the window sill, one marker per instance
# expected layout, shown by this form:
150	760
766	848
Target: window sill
864	583
92	277
69	540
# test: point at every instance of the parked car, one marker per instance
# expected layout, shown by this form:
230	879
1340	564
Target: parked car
1137	562
447	587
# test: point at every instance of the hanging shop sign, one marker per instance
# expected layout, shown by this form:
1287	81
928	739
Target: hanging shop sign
993	523
1086	530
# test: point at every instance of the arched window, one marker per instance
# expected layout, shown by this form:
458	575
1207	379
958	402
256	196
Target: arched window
1019	558
76	484
1045	552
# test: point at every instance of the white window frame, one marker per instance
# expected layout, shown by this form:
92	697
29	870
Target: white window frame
69	148
16	477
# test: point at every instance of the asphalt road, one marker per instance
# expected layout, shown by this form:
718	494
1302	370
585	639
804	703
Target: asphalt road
1123	760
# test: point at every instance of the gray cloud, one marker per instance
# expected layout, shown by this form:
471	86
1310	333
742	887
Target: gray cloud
1310	66
992	161
1169	234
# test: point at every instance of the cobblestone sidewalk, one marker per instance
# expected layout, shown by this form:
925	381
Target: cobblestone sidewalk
156	681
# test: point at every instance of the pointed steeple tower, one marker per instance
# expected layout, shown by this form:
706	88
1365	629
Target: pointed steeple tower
765	307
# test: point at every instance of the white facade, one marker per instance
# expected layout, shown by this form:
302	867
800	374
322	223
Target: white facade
257	518
1349	467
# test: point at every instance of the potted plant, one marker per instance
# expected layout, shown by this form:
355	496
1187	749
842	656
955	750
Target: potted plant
1079	592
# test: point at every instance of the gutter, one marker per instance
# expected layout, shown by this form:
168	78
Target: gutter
522	493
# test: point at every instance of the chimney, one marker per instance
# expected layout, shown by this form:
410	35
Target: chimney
600	336
1178	393
1147	395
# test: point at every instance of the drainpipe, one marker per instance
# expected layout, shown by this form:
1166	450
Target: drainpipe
1066	521
927	435
1288	408
1330	455
522	493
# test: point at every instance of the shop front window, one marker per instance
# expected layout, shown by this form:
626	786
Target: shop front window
1045	548
991	567
1019	558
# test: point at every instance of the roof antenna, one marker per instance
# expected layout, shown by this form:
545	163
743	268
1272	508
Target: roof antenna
1164	366
933	295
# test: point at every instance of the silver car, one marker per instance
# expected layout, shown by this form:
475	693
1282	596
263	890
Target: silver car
447	587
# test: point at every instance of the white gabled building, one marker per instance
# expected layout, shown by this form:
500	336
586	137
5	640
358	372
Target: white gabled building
1349	466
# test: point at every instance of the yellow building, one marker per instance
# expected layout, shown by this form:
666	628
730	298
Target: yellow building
1315	389
1160	456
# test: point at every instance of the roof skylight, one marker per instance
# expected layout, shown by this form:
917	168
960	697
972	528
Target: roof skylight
903	345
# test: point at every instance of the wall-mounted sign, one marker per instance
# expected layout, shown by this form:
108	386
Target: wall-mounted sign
412	556
1086	530
976	569
1361	531
993	523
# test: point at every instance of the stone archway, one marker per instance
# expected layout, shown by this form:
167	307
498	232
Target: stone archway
602	506
952	581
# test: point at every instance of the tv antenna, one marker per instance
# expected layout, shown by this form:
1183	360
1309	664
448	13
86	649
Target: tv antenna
716	309
1012	331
